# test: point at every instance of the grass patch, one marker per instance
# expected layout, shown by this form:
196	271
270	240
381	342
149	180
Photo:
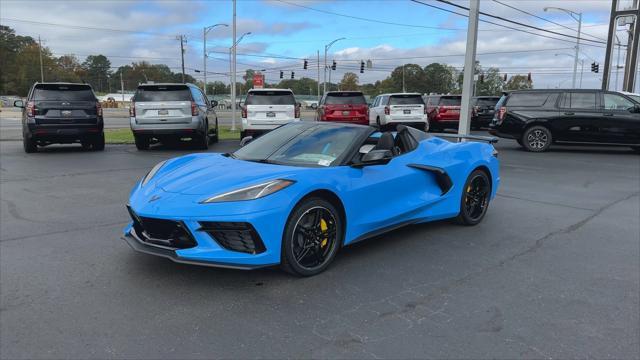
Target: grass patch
125	136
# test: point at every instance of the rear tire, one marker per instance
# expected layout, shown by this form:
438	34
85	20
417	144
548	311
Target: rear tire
312	237
29	145
202	141
98	143
537	139
474	201
142	142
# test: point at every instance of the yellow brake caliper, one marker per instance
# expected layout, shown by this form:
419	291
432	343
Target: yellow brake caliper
323	228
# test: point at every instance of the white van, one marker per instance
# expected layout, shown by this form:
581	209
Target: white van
266	109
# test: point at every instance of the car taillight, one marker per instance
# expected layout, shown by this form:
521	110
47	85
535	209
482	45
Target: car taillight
244	112
387	111
502	114
98	109
31	109
194	109
442	109
297	112
132	110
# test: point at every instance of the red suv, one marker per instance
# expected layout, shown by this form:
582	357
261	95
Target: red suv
443	111
343	106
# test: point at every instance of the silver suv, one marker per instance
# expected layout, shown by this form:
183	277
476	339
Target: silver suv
170	112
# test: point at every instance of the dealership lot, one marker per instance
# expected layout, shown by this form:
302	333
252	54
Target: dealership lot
552	272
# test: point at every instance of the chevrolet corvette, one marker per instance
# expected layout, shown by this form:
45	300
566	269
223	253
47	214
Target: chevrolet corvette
294	196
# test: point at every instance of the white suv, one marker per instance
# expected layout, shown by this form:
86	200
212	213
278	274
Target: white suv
389	110
266	109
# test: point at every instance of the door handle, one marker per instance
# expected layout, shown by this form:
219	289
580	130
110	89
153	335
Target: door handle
569	113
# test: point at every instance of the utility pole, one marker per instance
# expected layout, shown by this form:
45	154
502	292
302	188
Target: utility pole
404	89
469	68
182	41
41	66
319	75
233	73
326	48
575	61
121	86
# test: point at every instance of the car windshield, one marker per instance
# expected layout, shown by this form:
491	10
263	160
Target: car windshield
345	98
163	93
634	97
489	102
300	144
270	98
57	92
406	100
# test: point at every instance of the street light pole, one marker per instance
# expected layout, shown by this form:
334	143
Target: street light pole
573	15
204	52
232	58
326	48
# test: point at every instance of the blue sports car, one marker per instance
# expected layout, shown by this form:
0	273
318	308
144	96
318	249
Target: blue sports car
296	195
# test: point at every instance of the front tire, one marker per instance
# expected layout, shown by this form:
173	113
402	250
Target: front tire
312	236
474	201
537	139
216	137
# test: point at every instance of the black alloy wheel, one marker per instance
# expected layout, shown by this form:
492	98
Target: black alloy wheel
312	238
537	139
475	198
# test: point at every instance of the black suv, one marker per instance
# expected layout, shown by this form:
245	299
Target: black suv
538	118
61	113
483	108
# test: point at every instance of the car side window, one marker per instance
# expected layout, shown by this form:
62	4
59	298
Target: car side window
197	97
580	100
376	101
617	102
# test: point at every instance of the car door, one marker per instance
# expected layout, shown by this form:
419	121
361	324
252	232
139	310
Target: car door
373	110
384	196
620	123
579	117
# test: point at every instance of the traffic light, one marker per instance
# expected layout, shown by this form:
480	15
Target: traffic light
595	67
481	78
293	75
529	77
361	67
333	67
281	74
306	63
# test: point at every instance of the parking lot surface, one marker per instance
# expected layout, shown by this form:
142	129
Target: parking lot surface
552	272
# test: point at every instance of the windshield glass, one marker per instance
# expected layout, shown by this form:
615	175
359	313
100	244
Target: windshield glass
635	98
489	102
345	98
406	100
63	93
163	93
270	98
302	145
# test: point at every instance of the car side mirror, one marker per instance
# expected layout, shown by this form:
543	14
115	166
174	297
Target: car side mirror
635	109
18	103
245	140
375	157
214	103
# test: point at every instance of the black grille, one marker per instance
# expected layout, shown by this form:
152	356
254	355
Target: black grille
168	233
234	236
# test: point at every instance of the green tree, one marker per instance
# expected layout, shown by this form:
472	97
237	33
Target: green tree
217	88
349	82
248	78
98	69
518	82
439	79
413	79
492	83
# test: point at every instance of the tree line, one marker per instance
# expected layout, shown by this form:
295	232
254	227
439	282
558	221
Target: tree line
20	68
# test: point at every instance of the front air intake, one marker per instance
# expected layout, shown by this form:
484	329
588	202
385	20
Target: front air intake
234	236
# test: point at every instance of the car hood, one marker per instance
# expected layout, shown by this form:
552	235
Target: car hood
211	174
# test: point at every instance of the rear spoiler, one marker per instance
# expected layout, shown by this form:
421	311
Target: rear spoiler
460	138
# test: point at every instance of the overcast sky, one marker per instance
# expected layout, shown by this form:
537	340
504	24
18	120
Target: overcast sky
397	31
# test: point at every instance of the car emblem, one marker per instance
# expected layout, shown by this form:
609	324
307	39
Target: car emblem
66	112
66	103
154	198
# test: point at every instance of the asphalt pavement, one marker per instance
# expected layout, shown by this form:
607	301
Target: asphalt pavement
552	272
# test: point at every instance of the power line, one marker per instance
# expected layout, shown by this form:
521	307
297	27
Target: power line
545	19
86	27
513	22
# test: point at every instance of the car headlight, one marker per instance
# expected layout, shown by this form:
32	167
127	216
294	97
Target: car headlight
250	192
152	173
